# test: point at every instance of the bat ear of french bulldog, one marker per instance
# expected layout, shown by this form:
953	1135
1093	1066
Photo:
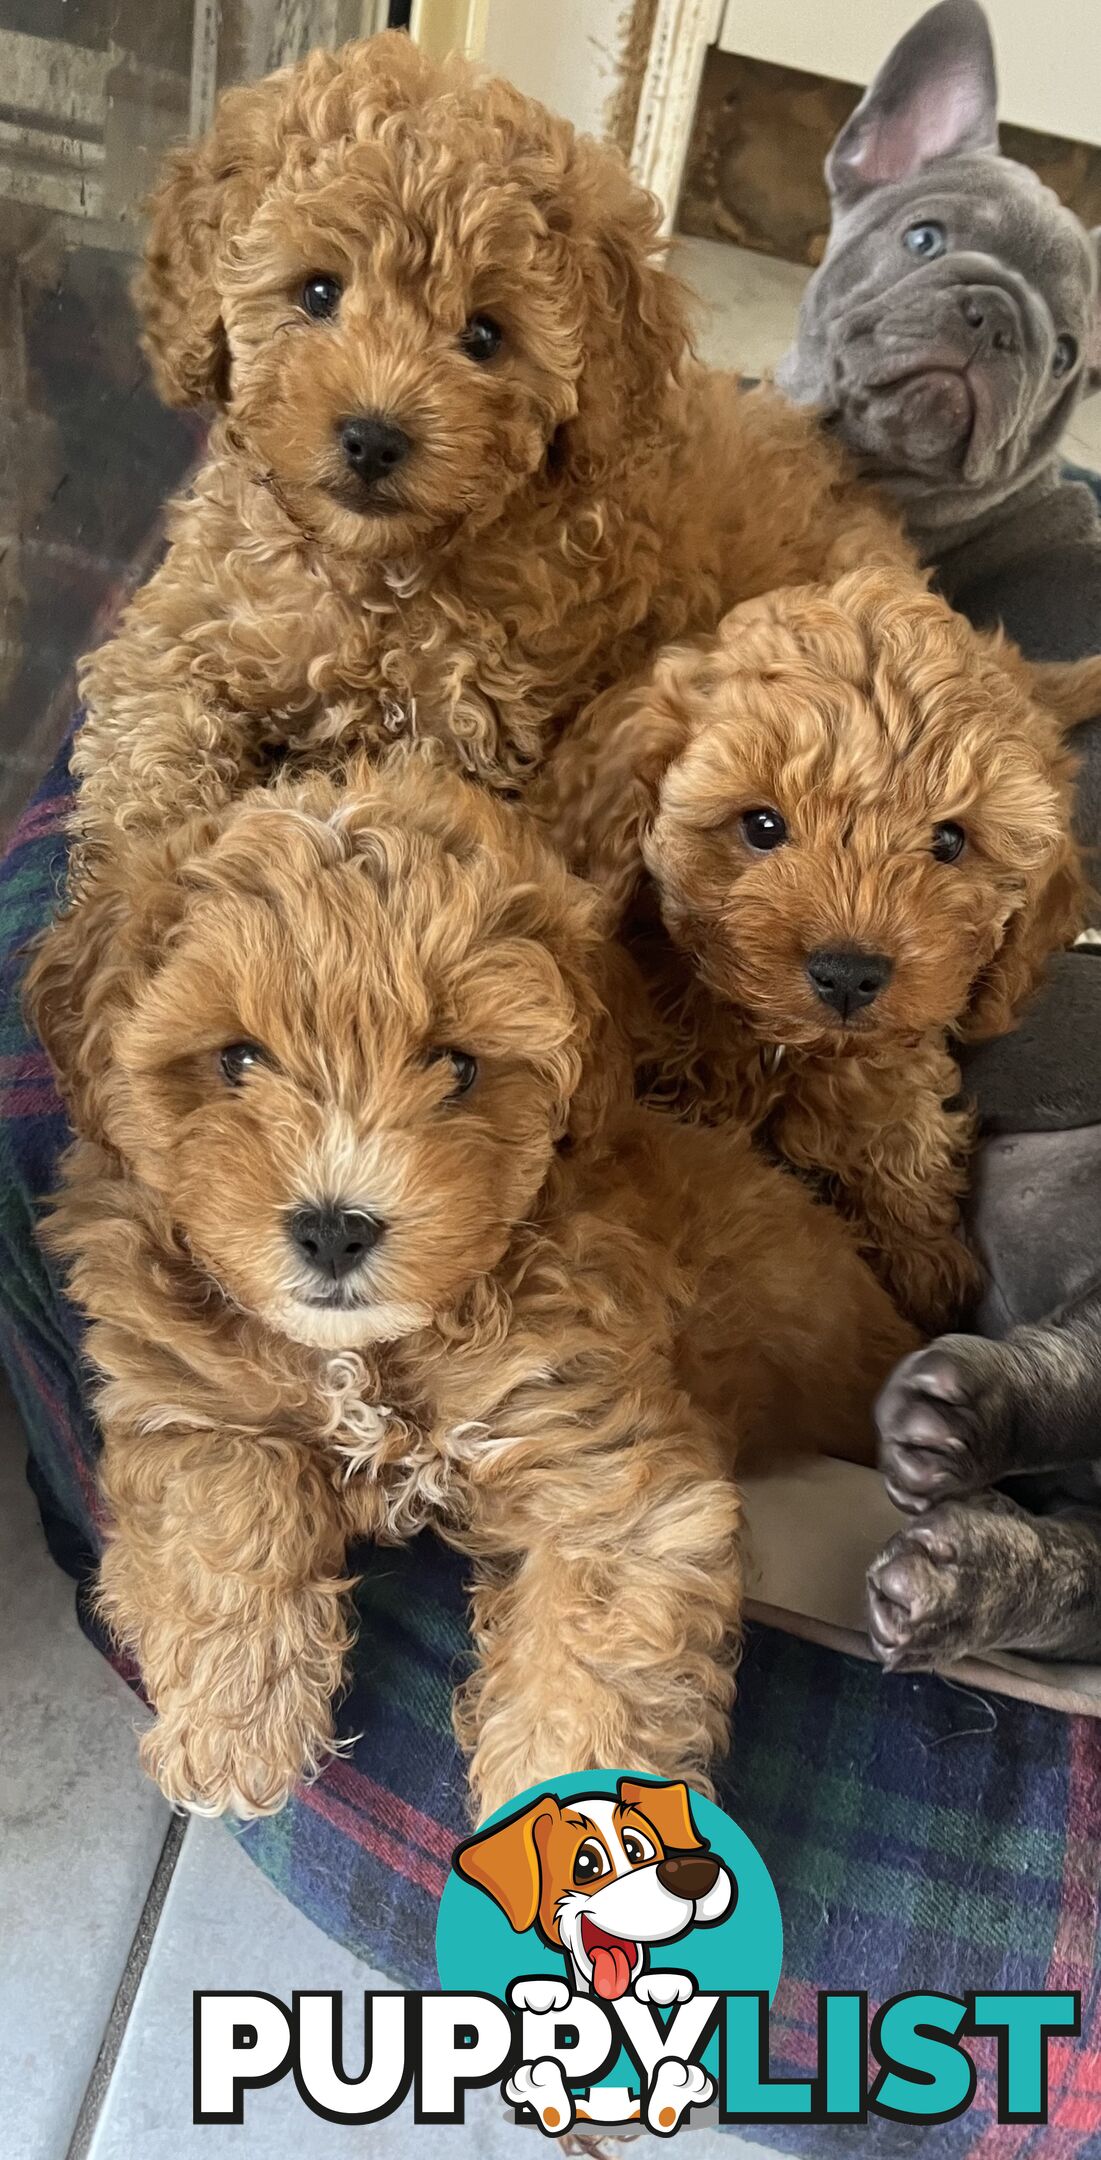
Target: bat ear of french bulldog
935	95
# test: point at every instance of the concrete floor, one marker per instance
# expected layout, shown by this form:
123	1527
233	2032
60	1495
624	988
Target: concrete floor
115	1911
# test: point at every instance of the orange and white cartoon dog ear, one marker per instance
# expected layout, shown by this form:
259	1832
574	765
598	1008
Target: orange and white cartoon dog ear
668	1807
505	1862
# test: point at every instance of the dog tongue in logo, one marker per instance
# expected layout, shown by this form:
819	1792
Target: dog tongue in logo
612	1960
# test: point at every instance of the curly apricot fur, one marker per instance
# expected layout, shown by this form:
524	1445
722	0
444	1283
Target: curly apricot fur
577	1317
865	714
587	494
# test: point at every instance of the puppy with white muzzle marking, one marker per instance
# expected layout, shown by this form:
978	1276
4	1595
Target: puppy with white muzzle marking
372	1236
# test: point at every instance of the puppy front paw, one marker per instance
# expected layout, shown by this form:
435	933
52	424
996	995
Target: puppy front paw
539	1993
943	1588
664	1988
214	1769
677	2086
941	1420
542	2087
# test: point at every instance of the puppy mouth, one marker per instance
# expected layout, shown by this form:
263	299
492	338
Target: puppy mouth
365	502
614	1959
931	410
335	1300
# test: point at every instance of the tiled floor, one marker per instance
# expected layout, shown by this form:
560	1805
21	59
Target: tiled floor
112	1911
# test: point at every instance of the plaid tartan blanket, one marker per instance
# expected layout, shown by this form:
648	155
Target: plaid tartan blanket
918	1835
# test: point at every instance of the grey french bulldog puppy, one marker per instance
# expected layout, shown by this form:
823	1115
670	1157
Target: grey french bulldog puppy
950	332
991	1444
947	338
953	324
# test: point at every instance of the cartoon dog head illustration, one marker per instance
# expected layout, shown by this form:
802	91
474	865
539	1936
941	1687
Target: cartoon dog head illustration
602	1878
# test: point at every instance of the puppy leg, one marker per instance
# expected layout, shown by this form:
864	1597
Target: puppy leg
791	1337
985	1575
896	1156
223	1573
611	1639
148	758
964	1412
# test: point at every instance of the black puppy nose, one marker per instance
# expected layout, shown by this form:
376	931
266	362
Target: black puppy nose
373	446
334	1240
848	979
971	311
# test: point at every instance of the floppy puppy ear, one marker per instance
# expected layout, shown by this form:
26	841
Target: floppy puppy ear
69	991
668	1807
208	190
637	333
596	1068
600	793
505	1862
605	1004
1068	689
935	94
87	969
1049	921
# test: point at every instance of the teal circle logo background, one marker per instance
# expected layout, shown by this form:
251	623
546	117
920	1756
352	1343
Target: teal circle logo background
477	1950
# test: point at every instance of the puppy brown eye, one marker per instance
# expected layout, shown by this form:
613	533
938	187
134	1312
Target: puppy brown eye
949	842
464	1067
482	338
240	1058
590	1863
1064	356
636	1848
763	830
321	295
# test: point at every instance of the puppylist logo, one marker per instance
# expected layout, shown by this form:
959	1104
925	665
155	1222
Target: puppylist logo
608	1950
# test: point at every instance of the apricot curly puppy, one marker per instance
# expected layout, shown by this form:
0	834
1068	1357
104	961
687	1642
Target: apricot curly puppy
464	473
836	834
371	1235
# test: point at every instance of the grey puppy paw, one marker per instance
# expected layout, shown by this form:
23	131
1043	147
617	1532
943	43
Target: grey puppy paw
942	1421
923	1590
962	1579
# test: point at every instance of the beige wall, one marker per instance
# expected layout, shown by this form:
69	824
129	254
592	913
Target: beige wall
1049	58
566	52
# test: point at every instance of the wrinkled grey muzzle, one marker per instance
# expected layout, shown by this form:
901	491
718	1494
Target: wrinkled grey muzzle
947	373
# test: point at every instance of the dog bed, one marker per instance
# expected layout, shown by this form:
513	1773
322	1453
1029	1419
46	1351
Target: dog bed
920	1834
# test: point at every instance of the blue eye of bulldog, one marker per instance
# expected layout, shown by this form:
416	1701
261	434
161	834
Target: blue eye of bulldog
925	241
1064	356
